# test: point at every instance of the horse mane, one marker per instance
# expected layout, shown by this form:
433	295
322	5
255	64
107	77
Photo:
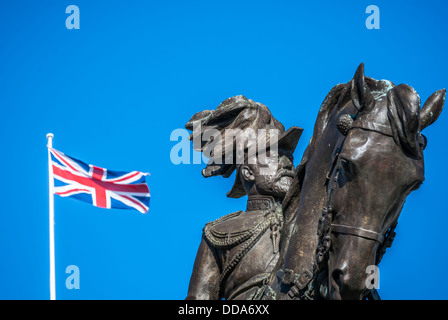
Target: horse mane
338	97
291	199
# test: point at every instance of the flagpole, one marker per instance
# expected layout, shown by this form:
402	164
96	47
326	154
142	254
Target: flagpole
51	219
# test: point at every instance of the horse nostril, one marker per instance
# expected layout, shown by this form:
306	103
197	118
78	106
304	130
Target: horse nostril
346	284
336	280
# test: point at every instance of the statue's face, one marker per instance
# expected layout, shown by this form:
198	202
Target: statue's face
275	175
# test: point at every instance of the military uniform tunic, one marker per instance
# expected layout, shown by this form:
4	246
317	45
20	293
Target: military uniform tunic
238	253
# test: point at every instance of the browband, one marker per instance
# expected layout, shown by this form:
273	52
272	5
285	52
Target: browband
372	126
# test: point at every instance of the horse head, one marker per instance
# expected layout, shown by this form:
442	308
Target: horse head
377	162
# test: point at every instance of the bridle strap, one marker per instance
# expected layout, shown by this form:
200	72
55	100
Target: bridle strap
355	231
373	126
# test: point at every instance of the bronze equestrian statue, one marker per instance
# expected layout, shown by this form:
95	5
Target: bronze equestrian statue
364	159
238	251
338	217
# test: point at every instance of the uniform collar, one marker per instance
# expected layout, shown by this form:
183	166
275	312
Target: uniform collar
260	202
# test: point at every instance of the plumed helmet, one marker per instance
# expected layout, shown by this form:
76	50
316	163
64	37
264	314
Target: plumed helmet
237	113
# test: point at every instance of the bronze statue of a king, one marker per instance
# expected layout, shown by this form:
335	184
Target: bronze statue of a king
238	251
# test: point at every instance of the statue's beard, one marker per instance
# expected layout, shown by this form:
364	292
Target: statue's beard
276	186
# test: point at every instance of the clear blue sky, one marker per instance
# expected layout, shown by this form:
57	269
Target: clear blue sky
114	90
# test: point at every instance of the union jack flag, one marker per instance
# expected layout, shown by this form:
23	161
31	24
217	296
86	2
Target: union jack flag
98	186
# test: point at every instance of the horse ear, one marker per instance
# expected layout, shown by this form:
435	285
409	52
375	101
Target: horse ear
361	96
432	108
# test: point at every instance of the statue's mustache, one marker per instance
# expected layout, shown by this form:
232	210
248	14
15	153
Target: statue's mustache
284	173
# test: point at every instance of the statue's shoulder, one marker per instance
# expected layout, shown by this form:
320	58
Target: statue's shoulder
224	220
233	229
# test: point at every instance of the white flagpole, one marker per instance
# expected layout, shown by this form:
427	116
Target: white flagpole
51	220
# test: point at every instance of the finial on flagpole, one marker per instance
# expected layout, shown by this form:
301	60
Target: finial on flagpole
50	137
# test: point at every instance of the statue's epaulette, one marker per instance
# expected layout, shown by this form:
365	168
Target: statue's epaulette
223	218
212	236
232	229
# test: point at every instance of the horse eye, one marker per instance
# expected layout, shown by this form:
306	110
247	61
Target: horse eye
345	165
416	185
